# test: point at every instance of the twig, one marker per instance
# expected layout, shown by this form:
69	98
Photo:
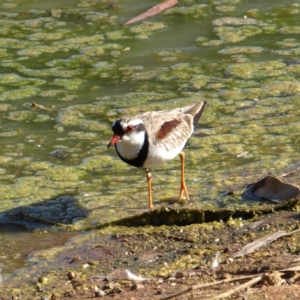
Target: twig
292	232
178	294
204	285
33	104
263	241
238	288
153	11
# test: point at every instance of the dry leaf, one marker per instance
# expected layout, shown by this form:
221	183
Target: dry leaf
263	241
242	154
153	11
133	277
275	190
291	269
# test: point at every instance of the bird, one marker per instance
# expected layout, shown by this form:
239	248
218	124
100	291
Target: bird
149	139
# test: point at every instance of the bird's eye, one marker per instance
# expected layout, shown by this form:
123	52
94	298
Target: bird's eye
129	128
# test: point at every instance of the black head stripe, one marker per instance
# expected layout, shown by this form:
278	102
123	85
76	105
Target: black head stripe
117	128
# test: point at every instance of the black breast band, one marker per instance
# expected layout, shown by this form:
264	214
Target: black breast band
141	157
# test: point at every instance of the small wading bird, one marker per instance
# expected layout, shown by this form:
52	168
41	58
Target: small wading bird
152	138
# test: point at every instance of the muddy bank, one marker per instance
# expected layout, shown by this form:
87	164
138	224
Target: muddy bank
174	257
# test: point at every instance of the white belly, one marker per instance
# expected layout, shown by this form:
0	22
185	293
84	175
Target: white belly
159	154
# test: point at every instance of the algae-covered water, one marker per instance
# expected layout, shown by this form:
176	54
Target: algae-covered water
68	69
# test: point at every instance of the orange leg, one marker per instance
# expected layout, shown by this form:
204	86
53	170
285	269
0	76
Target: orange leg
149	179
183	187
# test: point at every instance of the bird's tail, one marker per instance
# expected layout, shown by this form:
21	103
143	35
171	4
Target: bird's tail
195	110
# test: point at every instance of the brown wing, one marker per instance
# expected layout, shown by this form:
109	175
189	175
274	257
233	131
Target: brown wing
172	128
167	128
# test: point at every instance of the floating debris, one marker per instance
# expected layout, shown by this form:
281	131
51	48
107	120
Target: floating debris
35	105
153	11
59	154
243	154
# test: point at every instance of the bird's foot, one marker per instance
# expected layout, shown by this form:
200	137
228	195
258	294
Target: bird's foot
181	200
151	207
183	190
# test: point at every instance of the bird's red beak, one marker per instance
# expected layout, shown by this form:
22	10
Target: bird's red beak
114	140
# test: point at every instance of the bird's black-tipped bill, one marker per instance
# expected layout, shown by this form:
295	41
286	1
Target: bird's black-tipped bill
114	140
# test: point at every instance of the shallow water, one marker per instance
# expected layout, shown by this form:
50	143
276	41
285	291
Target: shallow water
75	59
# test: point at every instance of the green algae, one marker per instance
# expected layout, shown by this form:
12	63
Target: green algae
290	30
50	72
46	36
227	2
42	118
255	70
238	22
193	11
243	49
231	34
20	115
36	166
101	163
93	51
69	84
10	43
71	63
13	79
37	50
147	27
294	51
117	35
225	8
61	173
80	40
23	92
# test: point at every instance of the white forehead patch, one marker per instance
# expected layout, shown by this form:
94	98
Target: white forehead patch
135	122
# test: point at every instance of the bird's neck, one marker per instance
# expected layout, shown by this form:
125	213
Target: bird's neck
134	151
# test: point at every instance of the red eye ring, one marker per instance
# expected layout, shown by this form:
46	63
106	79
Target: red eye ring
129	128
